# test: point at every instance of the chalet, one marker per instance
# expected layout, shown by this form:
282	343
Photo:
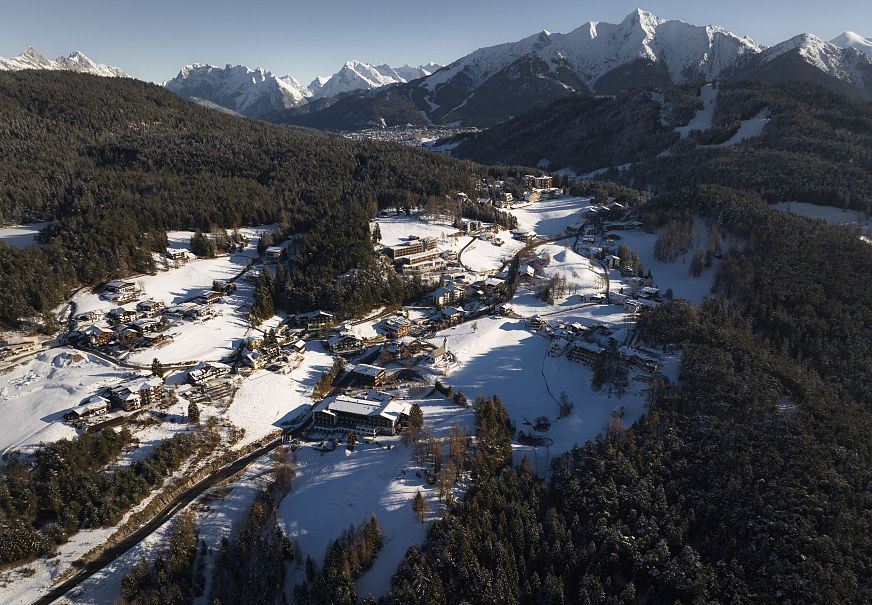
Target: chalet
649	292
209	370
449	256
591	213
538	182
397	327
150	308
345	342
523	235
537	323
181	311
95	406
585	352
120	315
447	295
638	359
317	320
369	374
179	254
275	254
18	346
412	247
137	393
253	359
439	357
97	336
368	415
145	326
611	261
557	347
451	316
533	196
207	298
88	317
119	286
298	346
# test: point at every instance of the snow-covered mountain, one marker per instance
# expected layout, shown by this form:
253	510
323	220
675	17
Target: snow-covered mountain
853	40
75	61
498	82
250	92
685	52
808	58
256	92
357	75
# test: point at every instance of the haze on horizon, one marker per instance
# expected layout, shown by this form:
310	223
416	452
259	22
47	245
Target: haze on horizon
151	41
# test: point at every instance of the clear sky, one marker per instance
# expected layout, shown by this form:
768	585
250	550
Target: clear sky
152	39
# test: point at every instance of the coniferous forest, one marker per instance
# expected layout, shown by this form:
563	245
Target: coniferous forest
114	163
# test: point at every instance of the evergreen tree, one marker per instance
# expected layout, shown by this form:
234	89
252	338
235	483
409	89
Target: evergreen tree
157	368
420	506
193	413
376	234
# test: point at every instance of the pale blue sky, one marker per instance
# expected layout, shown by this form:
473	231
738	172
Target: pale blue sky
152	39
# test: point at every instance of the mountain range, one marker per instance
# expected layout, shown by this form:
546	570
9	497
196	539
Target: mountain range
75	61
256	92
497	83
494	84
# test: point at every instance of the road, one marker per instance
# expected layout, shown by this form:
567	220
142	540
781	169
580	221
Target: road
181	501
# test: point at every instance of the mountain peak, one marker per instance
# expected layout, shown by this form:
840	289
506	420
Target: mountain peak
647	20
851	39
76	61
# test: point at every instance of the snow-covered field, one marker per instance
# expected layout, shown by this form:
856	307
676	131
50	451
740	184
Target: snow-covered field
206	339
338	489
483	256
21	236
502	357
397	229
35	396
551	217
266	399
581	278
668	275
830	214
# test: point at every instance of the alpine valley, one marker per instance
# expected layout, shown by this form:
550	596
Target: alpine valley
579	319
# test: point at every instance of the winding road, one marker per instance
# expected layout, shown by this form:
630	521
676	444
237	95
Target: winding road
178	503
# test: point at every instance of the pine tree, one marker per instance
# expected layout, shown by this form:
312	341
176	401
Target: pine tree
420	506
193	413
157	367
376	234
416	417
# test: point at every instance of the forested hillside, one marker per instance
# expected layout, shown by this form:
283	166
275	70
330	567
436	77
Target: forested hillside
585	133
114	163
748	481
817	146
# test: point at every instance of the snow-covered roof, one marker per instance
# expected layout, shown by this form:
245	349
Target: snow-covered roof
374	403
368	370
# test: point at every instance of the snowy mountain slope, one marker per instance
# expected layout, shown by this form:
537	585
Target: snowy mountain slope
357	75
75	61
853	40
256	92
807	57
250	92
496	83
687	51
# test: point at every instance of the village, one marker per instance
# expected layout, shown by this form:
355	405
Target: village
542	314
